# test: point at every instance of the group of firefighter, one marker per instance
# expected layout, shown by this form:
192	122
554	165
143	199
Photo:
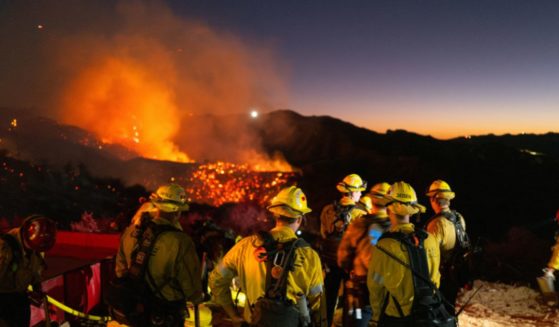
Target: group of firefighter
360	265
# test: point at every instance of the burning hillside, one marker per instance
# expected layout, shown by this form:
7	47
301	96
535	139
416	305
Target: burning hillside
222	182
134	86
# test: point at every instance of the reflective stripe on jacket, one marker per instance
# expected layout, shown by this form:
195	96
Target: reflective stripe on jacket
387	275
240	261
174	264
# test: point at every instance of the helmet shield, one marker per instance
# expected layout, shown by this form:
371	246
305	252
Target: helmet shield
38	233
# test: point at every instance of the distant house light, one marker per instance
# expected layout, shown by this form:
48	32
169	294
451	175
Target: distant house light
530	152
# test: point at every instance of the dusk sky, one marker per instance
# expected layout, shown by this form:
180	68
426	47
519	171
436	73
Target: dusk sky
444	68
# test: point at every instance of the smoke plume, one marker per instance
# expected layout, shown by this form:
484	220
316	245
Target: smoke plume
133	72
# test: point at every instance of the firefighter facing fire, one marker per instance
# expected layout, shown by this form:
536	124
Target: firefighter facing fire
290	285
355	251
173	269
21	264
334	220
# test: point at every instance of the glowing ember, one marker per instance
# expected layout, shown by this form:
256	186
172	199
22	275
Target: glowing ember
222	182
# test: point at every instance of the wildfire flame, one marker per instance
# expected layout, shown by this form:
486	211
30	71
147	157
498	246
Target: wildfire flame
122	103
135	85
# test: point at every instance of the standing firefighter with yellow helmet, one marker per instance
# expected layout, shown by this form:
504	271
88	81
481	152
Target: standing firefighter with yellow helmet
404	269
449	228
21	264
334	220
354	254
280	273
158	253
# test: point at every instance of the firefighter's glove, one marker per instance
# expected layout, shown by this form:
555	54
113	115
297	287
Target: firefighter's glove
549	273
197	297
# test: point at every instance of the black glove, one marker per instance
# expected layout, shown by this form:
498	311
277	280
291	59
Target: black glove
37	296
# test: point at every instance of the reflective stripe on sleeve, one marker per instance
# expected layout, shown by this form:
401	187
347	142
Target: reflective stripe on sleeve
377	278
315	290
224	271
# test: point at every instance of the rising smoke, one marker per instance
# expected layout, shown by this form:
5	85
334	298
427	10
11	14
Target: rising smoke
135	73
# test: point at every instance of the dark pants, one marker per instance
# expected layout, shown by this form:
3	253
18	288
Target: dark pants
14	309
332	284
352	321
449	289
357	311
389	321
167	314
450	285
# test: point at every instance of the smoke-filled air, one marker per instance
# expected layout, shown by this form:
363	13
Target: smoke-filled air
133	74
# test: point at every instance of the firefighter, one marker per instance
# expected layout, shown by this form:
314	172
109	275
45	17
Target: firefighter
449	228
334	220
173	271
354	253
388	280
304	281
553	264
21	264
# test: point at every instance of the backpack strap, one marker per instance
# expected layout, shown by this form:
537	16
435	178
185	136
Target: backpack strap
416	253
146	241
461	236
281	262
343	214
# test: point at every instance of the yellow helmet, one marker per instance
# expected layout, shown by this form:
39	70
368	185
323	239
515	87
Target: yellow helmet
169	198
365	203
351	183
403	195
378	193
440	189
290	202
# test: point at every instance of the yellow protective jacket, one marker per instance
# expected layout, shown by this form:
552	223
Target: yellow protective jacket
554	261
445	233
174	264
387	275
305	280
27	272
354	252
330	223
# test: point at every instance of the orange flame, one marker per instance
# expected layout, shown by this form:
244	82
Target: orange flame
135	84
121	103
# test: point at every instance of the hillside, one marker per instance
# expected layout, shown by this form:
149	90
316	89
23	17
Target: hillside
506	186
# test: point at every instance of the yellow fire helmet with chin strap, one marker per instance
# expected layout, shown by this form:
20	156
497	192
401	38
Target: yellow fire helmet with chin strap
290	202
378	194
351	183
169	198
440	189
403	200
